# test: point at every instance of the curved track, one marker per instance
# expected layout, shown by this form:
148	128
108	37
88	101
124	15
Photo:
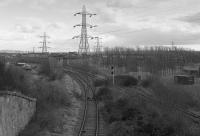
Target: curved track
90	121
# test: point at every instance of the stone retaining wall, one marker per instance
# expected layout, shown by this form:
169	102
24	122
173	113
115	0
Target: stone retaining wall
16	111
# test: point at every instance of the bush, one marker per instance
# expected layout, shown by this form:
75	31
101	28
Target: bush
100	82
120	128
104	94
45	68
13	78
146	83
51	97
125	80
129	116
173	95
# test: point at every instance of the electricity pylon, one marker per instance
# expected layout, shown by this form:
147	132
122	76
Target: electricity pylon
84	45
33	49
98	47
44	43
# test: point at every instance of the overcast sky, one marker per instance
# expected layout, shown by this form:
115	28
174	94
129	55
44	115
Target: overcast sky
127	23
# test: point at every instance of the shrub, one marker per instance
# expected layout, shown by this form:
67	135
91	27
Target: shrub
100	82
104	94
45	68
130	116
125	80
13	78
173	95
146	83
120	128
50	95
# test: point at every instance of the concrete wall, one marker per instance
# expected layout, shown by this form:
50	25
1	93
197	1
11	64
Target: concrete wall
16	111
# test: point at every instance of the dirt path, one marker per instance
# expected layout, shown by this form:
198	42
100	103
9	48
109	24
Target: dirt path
70	115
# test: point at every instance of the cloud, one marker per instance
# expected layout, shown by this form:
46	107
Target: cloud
194	18
6	2
106	16
41	4
26	28
157	21
155	37
119	3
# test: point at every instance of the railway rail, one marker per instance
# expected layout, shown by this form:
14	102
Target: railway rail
90	121
82	71
87	127
194	117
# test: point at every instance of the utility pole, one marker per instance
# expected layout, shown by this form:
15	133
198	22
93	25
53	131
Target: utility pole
44	43
84	45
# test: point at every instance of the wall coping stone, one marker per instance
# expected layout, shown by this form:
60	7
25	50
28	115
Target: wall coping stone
17	94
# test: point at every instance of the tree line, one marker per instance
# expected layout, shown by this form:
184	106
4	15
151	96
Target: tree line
155	59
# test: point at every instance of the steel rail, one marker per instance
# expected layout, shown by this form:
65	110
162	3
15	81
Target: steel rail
78	76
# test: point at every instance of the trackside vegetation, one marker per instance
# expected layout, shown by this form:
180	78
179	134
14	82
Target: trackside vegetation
132	115
51	96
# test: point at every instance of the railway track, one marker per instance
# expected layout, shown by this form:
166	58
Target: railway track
194	117
90	121
82	71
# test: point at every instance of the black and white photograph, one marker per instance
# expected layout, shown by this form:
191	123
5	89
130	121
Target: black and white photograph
99	67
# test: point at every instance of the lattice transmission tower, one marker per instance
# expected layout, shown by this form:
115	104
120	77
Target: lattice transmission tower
84	45
44	43
97	48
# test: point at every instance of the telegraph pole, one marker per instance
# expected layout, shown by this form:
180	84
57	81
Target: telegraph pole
44	43
84	45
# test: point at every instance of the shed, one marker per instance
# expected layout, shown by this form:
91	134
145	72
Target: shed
184	79
192	70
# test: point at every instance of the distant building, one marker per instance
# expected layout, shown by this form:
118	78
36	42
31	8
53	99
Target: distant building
184	79
192	70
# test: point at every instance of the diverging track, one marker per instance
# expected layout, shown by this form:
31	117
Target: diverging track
149	98
90	121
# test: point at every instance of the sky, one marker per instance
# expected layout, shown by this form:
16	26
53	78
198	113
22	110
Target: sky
124	23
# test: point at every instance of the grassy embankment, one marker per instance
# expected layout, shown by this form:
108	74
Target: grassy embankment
127	113
51	96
